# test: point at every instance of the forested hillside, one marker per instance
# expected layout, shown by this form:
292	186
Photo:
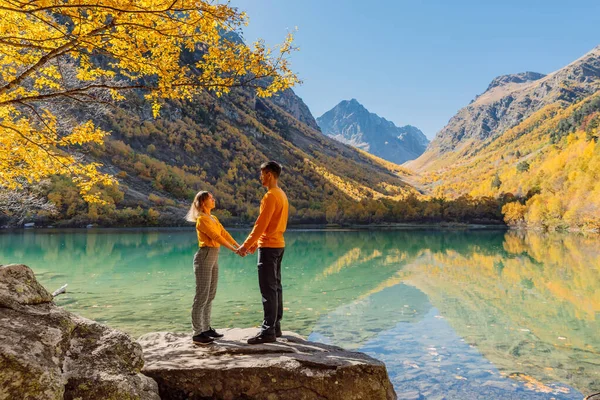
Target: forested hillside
218	144
547	169
541	163
508	101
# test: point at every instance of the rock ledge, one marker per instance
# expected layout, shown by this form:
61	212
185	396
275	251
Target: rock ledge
292	368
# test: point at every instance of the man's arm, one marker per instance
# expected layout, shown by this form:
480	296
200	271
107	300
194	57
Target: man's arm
252	249
267	208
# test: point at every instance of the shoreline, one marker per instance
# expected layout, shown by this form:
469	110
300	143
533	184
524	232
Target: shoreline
291	227
448	227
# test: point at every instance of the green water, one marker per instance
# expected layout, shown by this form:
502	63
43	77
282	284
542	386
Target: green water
452	314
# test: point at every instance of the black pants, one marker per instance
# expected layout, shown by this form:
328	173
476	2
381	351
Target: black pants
269	280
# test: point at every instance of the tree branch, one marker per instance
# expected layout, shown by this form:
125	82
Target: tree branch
53	156
65	48
171	7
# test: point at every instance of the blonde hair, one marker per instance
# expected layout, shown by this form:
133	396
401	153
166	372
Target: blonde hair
194	211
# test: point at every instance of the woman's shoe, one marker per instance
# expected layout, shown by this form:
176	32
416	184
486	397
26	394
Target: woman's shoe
212	333
202	339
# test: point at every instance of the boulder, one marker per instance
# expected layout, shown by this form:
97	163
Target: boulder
18	286
49	353
290	369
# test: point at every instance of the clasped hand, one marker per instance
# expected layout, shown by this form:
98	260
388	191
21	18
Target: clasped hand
243	251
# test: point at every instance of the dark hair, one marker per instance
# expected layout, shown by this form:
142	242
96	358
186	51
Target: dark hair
273	167
194	211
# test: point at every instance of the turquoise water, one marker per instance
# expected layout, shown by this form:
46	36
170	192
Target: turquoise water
454	315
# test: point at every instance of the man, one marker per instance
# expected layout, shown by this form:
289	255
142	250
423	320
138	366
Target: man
267	235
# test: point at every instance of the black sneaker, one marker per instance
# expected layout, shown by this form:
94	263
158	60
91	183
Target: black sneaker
212	333
262	338
202	339
278	330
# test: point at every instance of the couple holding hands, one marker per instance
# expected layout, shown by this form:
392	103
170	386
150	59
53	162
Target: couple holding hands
266	236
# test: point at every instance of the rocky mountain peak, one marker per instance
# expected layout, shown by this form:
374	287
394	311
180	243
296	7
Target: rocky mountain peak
351	123
353	103
349	107
583	70
508	100
515	78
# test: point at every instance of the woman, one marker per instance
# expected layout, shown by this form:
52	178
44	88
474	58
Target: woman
211	235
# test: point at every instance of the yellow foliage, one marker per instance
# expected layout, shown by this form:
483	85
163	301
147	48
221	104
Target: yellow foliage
514	213
400	170
47	49
356	190
561	183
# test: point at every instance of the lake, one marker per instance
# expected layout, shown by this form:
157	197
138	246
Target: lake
453	314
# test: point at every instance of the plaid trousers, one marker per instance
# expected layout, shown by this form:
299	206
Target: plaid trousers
206	269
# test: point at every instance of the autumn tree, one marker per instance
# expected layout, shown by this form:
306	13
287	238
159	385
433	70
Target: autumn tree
58	57
523	166
496	182
514	213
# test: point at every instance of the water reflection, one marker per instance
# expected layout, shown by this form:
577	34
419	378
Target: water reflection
521	305
353	324
531	306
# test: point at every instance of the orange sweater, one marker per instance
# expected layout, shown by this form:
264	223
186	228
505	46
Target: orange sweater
271	222
209	229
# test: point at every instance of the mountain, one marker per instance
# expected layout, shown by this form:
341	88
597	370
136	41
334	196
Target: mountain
522	77
217	144
544	170
294	105
509	100
351	123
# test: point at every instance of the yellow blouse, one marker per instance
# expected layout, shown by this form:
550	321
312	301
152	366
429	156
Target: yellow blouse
209	229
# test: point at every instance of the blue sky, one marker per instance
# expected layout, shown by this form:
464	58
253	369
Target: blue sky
418	62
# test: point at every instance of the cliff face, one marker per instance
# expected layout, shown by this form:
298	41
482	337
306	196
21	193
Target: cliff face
290	102
509	100
351	123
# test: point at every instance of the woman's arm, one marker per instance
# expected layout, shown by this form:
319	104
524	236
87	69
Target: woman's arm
213	233
221	240
228	237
